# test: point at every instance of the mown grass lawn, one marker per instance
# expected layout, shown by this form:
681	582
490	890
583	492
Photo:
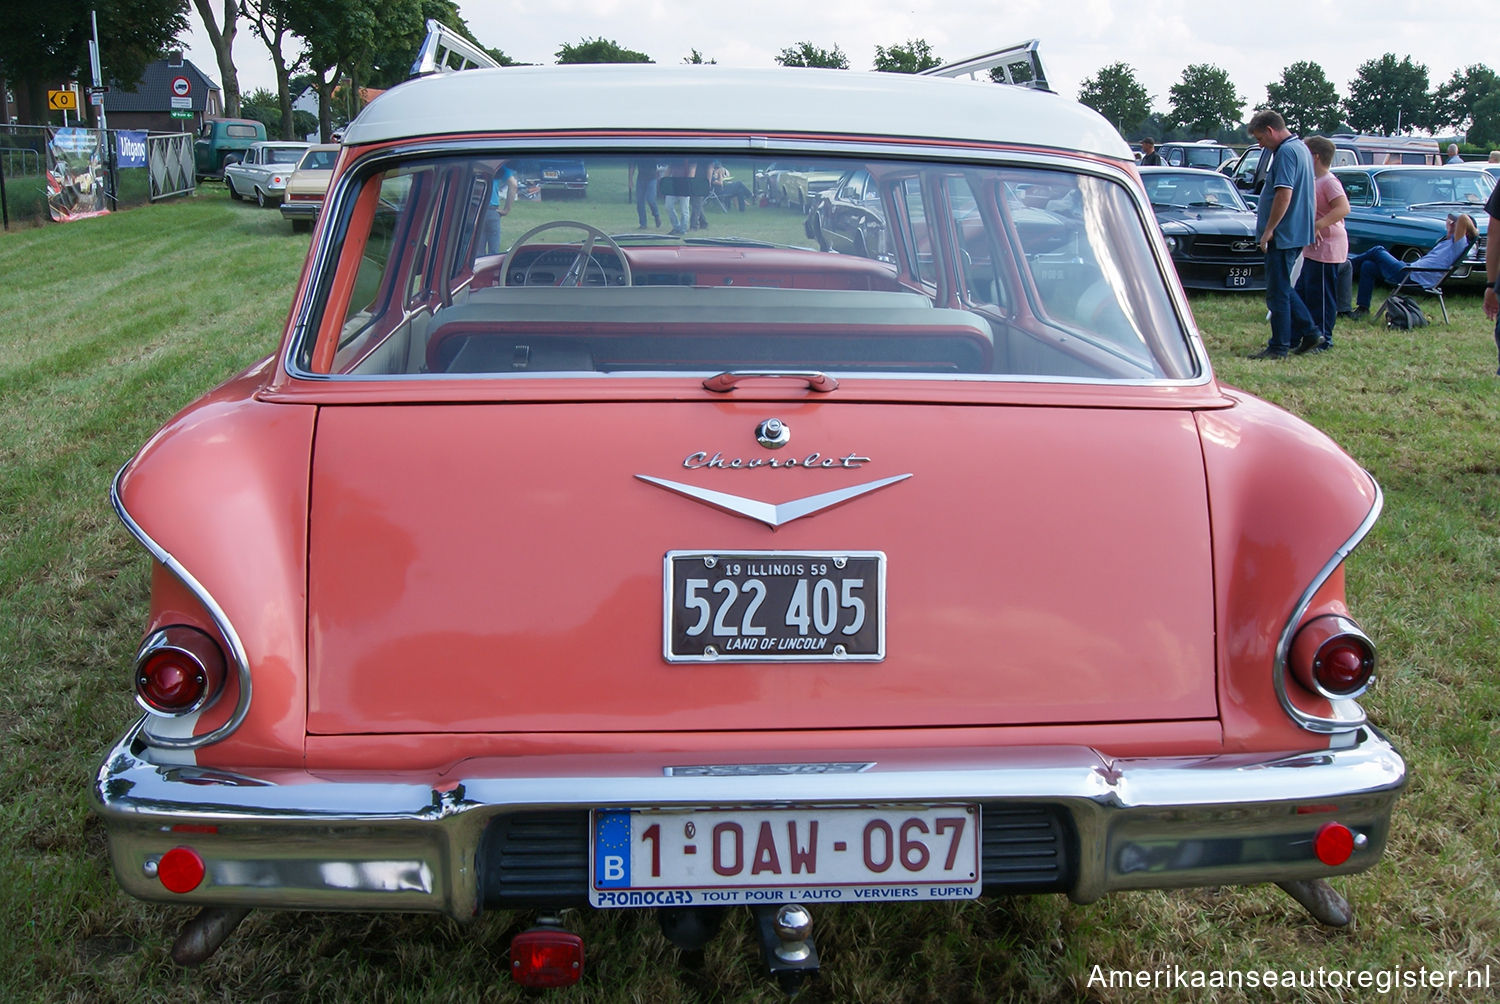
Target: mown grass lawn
109	326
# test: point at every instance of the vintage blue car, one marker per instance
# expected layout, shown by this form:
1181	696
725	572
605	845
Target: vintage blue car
1405	208
552	177
1209	229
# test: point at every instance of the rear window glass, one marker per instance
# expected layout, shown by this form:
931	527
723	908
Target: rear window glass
241	131
318	160
665	263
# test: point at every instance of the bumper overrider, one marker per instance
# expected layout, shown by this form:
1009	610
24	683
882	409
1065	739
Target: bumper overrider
513	832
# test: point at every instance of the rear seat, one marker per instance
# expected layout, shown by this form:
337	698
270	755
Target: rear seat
533	316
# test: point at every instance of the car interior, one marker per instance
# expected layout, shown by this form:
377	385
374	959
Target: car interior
982	271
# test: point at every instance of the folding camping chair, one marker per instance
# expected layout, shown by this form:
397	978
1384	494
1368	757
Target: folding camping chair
1408	283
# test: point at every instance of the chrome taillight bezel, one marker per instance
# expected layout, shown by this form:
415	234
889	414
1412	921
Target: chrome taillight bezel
1311	646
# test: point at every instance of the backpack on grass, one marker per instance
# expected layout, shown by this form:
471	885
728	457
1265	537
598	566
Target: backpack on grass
1401	311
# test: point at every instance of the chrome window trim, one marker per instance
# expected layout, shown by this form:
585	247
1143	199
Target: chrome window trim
337	201
221	621
1348	715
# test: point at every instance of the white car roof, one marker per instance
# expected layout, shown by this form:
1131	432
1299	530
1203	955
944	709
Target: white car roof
714	98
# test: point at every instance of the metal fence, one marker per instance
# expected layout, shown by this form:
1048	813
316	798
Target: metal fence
46	173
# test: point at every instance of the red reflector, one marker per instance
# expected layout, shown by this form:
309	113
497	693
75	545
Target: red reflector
180	870
546	957
1333	844
194	828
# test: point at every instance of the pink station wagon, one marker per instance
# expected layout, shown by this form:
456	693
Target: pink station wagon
556	561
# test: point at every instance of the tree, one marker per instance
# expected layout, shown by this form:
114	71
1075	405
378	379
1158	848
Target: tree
222	39
807	54
600	50
1456	100
1306	98
1388	97
264	106
268	19
1204	101
696	58
1115	93
336	38
44	44
1484	130
913	57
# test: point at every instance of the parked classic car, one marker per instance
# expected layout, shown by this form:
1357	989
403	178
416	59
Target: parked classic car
223	141
793	183
1209	229
1204	153
1405	208
696	573
302	199
263	173
556	176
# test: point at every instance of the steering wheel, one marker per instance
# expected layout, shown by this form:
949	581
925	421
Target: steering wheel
575	273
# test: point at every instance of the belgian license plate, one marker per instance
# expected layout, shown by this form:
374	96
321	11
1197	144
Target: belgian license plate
768	606
1239	276
702	857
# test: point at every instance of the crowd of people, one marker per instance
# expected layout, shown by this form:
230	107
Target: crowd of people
1300	229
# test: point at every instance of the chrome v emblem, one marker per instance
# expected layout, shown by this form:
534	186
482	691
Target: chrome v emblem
771	514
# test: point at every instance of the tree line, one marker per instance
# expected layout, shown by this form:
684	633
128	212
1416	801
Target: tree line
345	46
1388	96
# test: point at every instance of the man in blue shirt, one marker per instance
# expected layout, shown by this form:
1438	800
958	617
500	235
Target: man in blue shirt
502	196
1284	220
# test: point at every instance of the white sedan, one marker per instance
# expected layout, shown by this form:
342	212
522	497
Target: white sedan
264	172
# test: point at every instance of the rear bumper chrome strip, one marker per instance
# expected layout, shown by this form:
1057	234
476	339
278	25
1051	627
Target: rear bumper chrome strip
289	839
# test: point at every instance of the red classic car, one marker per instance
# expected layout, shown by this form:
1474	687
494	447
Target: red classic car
591	567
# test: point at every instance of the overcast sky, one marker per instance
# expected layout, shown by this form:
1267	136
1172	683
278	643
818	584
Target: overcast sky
1254	40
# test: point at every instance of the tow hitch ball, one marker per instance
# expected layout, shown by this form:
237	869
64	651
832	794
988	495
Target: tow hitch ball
786	942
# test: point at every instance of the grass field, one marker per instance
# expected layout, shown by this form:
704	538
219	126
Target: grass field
109	326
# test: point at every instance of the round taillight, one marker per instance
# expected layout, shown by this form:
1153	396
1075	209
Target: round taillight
180	870
178	670
1343	665
1331	656
1333	844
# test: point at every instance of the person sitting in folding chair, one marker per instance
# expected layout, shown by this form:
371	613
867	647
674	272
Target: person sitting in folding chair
724	189
1426	273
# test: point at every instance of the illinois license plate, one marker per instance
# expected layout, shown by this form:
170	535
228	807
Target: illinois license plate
768	606
698	857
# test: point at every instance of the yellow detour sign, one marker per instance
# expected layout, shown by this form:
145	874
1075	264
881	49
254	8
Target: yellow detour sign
62	101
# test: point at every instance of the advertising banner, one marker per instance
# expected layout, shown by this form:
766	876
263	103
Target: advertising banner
130	147
76	177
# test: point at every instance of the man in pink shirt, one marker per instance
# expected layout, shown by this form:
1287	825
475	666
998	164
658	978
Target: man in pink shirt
1318	283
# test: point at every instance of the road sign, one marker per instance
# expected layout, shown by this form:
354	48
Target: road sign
62	101
182	115
181	86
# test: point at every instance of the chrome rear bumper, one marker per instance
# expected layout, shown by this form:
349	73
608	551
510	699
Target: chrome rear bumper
298	840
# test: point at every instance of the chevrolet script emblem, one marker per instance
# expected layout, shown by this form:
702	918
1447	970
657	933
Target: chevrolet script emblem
769	513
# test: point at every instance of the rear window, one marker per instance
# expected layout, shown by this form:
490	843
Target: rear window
674	262
241	131
318	160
